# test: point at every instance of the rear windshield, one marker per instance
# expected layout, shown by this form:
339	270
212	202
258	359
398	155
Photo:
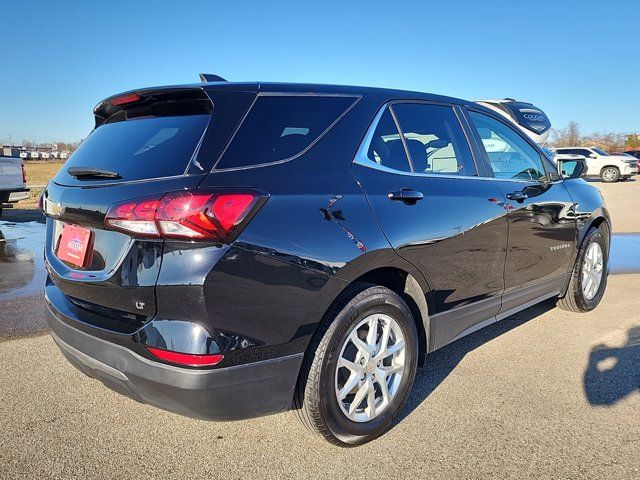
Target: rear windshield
279	127
143	147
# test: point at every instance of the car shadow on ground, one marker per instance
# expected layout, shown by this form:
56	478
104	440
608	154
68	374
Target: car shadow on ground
613	373
442	362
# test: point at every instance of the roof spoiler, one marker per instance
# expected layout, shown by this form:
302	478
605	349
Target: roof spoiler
210	77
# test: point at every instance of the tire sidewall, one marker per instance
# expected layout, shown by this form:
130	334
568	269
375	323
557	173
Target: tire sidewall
593	236
341	427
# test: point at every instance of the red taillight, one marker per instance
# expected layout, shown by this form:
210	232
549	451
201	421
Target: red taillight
122	99
24	174
186	359
187	215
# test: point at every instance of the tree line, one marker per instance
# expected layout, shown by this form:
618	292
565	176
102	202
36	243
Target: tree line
570	136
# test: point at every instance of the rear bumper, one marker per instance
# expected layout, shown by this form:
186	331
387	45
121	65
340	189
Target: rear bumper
231	393
19	195
7	197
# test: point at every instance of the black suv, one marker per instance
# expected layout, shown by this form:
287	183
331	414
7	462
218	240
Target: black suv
227	250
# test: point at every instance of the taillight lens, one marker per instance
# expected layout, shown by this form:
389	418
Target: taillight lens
187	214
187	359
24	174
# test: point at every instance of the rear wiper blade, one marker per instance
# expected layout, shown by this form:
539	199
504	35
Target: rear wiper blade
89	172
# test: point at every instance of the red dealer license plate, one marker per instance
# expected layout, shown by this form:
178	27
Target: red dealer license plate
75	245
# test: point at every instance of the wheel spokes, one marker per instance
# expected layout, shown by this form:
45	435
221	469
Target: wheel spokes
360	345
372	334
351	383
360	396
370	367
371	400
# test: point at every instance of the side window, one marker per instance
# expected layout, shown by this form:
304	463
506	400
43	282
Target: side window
386	147
279	127
510	155
584	152
435	139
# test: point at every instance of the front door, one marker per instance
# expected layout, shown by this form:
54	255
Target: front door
437	213
542	225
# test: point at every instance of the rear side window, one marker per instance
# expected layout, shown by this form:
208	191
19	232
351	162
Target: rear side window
143	147
386	147
279	127
435	139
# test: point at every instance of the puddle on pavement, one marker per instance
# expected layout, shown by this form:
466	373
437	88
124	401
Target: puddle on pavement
21	259
625	253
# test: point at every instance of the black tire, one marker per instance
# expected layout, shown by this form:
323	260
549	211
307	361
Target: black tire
315	400
574	300
610	174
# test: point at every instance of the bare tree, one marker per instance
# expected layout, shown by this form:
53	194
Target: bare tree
566	137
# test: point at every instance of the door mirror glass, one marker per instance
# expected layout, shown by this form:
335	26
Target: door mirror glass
571	168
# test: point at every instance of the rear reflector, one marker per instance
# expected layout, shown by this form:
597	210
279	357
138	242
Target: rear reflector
123	99
192	215
186	359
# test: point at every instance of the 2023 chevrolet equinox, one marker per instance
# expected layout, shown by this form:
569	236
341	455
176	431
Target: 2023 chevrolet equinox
228	250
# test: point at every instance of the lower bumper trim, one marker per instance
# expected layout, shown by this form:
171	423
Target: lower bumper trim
231	393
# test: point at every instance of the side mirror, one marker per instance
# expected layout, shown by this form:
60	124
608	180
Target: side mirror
571	168
593	155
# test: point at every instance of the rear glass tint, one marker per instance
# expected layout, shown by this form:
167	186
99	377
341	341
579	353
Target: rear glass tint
142	148
279	127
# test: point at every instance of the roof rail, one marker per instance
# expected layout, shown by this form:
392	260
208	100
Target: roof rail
210	77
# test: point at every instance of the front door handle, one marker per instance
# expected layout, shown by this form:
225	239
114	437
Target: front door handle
406	195
517	196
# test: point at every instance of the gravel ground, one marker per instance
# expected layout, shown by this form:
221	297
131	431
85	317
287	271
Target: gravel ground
541	394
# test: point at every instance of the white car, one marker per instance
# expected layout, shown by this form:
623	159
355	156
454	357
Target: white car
610	168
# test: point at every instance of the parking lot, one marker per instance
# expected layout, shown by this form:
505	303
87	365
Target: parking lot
544	393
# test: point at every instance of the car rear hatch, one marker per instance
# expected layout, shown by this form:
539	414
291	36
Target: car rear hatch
145	144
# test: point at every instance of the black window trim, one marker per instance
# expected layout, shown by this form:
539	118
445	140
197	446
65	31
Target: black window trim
355	97
361	158
483	152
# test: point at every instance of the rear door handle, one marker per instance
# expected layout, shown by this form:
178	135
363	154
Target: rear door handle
517	196
406	195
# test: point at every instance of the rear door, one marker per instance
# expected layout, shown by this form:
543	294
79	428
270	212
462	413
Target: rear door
542	225
416	168
144	145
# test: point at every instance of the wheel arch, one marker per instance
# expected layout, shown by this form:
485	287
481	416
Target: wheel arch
602	169
597	220
400	281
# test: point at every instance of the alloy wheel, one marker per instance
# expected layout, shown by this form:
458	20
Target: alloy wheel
609	174
370	367
592	270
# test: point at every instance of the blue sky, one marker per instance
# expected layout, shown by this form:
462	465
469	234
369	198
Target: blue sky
576	59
